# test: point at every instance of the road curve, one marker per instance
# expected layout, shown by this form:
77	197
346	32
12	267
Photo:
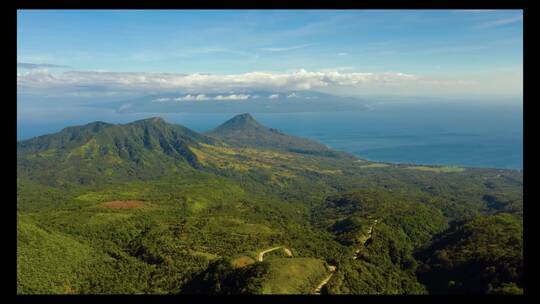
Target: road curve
320	286
333	268
261	254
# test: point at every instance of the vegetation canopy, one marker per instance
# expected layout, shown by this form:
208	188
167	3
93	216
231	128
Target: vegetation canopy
150	207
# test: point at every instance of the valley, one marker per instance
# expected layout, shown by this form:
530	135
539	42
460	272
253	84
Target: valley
150	207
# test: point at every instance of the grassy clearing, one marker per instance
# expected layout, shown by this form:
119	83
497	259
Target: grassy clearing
445	169
242	261
207	255
374	165
238	226
294	276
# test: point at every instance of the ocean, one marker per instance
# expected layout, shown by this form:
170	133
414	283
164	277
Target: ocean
457	134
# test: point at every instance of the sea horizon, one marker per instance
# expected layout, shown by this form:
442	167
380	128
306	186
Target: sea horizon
442	134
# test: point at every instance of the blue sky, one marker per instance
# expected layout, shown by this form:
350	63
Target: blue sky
399	52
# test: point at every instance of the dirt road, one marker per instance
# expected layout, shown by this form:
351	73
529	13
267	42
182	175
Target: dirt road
366	238
320	286
261	254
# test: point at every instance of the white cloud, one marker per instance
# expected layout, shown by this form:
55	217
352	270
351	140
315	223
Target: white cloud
343	54
232	97
273	96
200	83
292	95
203	97
500	22
189	97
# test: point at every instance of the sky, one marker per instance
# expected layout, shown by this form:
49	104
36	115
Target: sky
97	55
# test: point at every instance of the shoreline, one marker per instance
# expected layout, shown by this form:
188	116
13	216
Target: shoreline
395	163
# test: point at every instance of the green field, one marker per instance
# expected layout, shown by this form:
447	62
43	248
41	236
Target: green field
294	275
374	165
437	169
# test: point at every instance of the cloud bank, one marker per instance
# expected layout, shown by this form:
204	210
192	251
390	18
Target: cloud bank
199	87
203	97
204	83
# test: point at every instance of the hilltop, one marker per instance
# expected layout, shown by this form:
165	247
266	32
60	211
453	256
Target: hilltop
244	131
98	150
144	148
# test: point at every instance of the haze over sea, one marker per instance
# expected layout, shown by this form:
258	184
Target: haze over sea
460	134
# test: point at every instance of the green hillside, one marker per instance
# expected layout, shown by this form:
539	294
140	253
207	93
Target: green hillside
244	131
150	207
293	276
481	255
50	261
99	152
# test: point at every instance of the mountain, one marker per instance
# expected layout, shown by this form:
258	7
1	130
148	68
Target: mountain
244	131
150	207
99	152
143	148
240	122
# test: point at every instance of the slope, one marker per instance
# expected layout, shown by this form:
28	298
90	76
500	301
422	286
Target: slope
244	131
99	152
481	255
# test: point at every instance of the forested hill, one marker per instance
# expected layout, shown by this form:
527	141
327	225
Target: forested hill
244	131
97	151
155	208
144	148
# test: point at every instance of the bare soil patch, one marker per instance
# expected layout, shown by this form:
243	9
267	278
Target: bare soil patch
243	261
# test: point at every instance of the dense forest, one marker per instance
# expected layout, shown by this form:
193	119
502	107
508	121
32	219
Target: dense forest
154	208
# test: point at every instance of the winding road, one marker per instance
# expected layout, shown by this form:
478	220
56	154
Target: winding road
261	254
320	286
366	238
333	268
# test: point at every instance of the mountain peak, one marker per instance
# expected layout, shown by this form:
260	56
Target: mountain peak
245	117
240	122
152	120
146	147
244	131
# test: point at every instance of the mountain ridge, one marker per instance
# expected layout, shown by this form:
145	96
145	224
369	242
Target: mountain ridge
147	147
244	131
143	148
